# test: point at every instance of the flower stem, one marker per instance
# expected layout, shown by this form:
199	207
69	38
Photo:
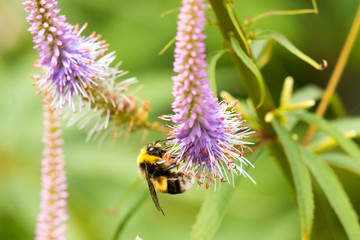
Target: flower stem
336	74
231	28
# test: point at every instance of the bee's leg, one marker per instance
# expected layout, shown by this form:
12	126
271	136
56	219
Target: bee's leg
171	166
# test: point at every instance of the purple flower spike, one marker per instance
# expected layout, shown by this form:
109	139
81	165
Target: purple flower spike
73	63
207	136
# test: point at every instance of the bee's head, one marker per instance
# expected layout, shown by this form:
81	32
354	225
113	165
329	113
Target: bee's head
155	150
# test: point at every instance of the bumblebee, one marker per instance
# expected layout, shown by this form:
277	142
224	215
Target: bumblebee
155	166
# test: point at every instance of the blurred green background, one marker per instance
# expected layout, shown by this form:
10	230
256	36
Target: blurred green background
98	175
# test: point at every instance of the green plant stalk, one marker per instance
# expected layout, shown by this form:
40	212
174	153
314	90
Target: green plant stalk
230	27
336	74
229	30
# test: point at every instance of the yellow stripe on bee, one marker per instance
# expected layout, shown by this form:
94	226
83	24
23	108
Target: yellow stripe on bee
144	157
161	184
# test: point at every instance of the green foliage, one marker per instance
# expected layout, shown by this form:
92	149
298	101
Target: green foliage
301	177
279	38
335	194
348	146
98	175
251	66
215	206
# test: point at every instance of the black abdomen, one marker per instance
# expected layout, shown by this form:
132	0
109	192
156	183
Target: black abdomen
178	182
173	185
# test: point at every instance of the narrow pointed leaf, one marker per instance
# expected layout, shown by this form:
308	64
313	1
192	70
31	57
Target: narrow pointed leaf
348	124
280	13
282	40
211	70
301	176
341	160
215	205
251	66
346	144
335	194
309	92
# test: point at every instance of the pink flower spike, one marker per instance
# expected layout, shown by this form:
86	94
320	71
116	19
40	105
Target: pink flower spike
53	194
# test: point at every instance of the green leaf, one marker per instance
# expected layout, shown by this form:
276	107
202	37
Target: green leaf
301	176
342	161
262	51
211	70
347	124
258	47
349	146
214	207
336	106
282	40
251	20
335	194
309	92
251	66
127	212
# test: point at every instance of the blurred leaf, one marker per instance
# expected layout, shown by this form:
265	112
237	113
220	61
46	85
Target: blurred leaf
282	40
129	211
285	98
335	194
214	207
349	146
347	124
262	51
336	106
125	196
286	92
313	92
301	177
280	13
211	70
251	66
258	47
308	92
342	161
327	142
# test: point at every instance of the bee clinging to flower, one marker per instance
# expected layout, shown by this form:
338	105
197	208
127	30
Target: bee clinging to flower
159	170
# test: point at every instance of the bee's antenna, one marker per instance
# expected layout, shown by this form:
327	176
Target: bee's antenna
164	140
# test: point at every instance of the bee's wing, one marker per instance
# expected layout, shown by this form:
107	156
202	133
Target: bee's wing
163	165
152	191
